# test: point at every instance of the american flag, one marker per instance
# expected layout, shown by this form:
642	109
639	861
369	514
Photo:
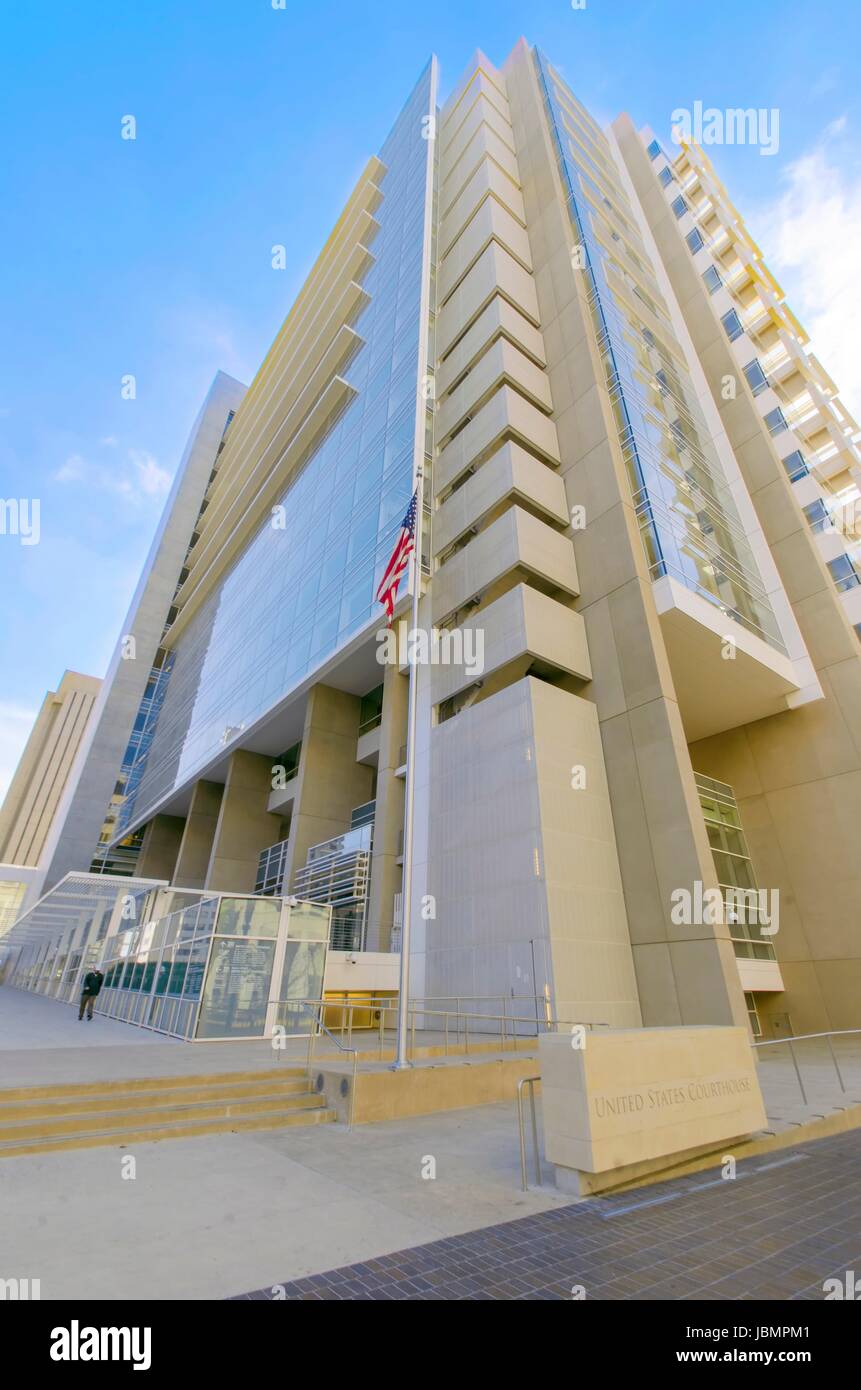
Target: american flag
387	591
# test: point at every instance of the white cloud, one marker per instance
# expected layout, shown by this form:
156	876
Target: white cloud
141	478
811	238
72	471
152	478
15	725
836	127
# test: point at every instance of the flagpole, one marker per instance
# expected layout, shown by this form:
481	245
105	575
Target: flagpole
401	1059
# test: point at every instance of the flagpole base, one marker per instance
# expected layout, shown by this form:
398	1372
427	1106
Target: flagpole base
401	1066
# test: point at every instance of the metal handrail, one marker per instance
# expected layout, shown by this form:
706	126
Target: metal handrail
806	1037
524	1176
386	1005
503	1019
317	1027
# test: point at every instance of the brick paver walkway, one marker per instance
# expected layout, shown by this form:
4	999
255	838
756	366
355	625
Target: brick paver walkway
787	1222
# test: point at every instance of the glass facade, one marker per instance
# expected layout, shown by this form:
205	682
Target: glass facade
844	573
122	857
206	970
734	867
338	871
297	594
796	465
11	897
69	928
688	520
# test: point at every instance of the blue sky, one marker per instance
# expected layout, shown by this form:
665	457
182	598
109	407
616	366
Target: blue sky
152	256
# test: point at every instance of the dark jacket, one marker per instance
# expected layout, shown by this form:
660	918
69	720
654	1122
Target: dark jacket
92	982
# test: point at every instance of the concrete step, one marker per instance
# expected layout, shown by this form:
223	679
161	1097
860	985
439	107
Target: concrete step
123	1085
188	1090
119	1118
178	1129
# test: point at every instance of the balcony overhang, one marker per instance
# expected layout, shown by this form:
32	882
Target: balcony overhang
715	691
759	976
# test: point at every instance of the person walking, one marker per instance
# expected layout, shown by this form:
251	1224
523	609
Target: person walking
92	984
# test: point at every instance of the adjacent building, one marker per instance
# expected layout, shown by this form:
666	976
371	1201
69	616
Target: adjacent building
31	804
638	755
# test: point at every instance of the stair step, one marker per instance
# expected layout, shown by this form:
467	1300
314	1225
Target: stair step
61	1089
73	1103
119	1119
178	1130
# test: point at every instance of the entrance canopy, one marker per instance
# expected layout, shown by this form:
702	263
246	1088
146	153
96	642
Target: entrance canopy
79	900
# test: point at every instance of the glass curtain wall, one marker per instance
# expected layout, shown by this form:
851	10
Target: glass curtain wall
206	971
297	594
734	868
688	520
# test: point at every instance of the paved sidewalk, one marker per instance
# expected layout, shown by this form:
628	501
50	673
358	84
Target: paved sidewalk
31	1022
202	1218
785	1224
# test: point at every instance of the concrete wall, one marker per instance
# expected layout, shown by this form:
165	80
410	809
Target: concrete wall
523	866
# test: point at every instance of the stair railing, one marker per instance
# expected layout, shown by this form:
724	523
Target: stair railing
806	1037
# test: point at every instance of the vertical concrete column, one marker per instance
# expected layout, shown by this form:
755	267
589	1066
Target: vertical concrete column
195	847
160	847
331	782
685	974
386	873
244	825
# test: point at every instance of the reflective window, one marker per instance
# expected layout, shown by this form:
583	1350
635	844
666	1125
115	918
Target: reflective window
371	710
776	421
844	573
756	378
301	978
248	917
818	515
746	913
795	465
237	989
308	922
732	324
711	275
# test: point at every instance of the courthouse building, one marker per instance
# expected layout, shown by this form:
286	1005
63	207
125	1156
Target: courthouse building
639	506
